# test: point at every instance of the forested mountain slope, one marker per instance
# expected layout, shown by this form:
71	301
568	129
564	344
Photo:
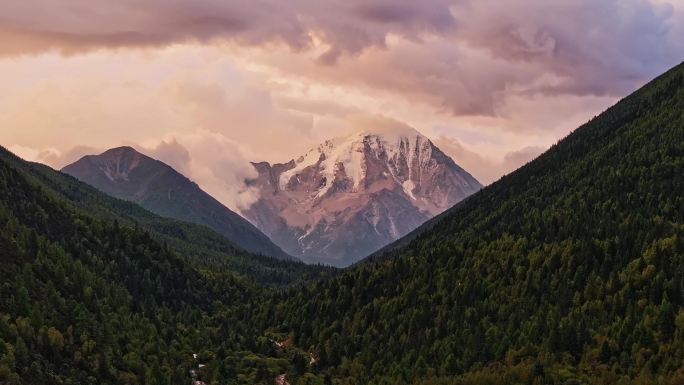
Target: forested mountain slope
569	270
89	297
202	246
93	302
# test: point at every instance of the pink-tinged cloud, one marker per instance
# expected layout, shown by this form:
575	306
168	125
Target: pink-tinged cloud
487	168
593	47
459	55
345	26
215	162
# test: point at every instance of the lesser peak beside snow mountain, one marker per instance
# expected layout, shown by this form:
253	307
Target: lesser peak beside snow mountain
127	174
350	196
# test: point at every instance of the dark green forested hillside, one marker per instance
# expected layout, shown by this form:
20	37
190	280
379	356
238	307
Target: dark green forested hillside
570	270
97	291
200	245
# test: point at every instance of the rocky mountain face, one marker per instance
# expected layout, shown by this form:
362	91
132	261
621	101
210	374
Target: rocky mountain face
127	174
350	196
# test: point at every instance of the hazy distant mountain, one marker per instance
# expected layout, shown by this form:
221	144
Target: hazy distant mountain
125	173
350	196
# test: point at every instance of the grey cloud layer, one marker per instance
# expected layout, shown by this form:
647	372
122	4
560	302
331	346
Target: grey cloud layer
463	56
345	26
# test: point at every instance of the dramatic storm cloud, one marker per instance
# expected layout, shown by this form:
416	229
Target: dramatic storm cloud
493	83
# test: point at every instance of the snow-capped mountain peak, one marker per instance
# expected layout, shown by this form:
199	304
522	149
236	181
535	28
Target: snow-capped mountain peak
345	159
350	195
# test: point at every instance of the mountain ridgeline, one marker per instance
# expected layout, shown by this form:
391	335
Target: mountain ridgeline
127	174
569	270
199	245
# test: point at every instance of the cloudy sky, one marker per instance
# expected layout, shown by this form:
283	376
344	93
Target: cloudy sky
208	85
